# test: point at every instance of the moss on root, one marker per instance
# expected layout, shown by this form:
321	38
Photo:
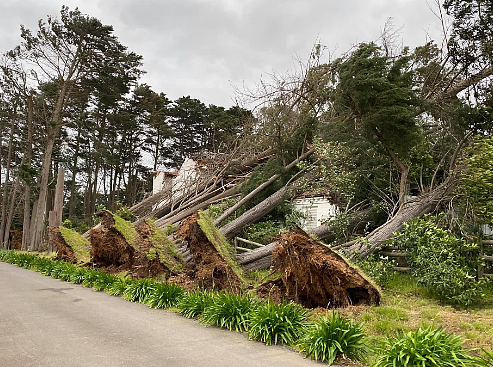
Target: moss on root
165	248
127	230
221	244
80	246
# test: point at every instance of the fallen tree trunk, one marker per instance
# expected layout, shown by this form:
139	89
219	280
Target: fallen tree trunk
162	222
145	207
316	276
417	207
257	212
244	200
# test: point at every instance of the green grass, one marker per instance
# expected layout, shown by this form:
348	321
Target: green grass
221	245
164	248
165	295
127	230
229	311
77	243
139	290
280	323
331	336
192	304
425	347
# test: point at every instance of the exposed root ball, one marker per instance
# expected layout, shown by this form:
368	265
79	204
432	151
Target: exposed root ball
211	270
64	252
316	276
108	246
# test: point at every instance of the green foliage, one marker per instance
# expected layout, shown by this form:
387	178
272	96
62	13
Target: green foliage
262	232
477	182
192	304
229	311
277	324
441	262
91	276
77	243
165	295
117	288
139	290
78	275
329	337
124	212
220	243
425	347
103	282
151	255
379	268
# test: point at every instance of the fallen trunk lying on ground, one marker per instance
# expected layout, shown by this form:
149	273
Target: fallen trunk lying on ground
316	276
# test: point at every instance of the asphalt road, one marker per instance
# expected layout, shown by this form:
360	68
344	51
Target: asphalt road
47	322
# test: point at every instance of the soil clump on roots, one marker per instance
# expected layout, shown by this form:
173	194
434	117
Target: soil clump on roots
144	251
109	249
208	268
316	276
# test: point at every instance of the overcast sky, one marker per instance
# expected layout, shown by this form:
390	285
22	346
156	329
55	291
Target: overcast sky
203	47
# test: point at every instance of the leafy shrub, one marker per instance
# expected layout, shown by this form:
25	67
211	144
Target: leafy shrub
118	286
103	282
262	232
165	295
139	290
59	270
442	263
377	267
328	337
274	324
229	311
193	304
428	347
78	275
91	276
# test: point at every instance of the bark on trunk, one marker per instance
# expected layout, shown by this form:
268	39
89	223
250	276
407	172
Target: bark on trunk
12	207
243	201
38	220
26	224
423	204
257	212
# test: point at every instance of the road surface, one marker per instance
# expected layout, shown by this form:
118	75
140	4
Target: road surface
49	323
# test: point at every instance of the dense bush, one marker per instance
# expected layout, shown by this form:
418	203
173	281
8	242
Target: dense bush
442	263
331	336
274	324
377	267
194	303
229	311
165	295
428	347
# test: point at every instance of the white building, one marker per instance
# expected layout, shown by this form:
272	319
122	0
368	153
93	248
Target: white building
317	210
180	181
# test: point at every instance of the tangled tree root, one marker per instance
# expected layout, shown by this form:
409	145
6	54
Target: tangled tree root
144	251
316	276
208	268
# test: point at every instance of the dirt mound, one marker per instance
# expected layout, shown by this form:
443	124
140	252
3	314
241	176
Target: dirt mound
210	269
316	276
64	252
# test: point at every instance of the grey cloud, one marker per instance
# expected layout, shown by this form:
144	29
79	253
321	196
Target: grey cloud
197	47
